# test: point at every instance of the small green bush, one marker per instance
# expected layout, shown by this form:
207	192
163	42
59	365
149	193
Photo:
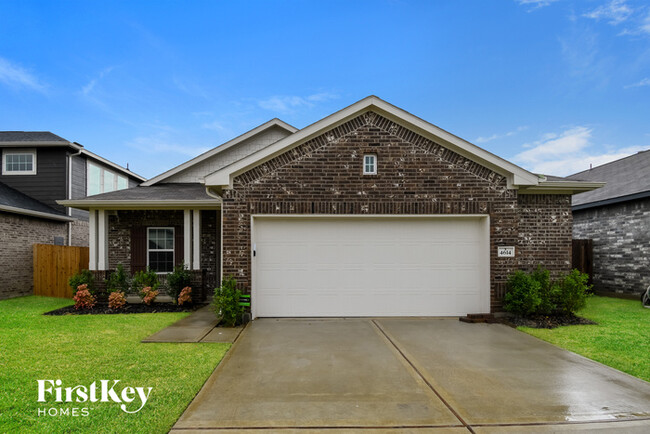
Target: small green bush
523	295
226	302
572	292
546	291
143	279
177	280
84	277
118	281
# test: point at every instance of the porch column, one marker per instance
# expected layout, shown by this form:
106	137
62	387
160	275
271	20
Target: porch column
187	238
92	239
196	239
102	240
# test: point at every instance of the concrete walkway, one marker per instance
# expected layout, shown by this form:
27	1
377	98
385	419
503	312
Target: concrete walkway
200	326
410	375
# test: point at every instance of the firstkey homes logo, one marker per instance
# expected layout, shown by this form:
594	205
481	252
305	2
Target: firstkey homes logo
130	399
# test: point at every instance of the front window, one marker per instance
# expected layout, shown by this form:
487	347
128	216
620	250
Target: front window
101	180
160	249
19	163
369	164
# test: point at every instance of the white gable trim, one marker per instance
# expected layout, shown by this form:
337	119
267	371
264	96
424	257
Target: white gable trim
212	152
515	175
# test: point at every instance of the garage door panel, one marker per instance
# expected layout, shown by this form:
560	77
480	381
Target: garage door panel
369	266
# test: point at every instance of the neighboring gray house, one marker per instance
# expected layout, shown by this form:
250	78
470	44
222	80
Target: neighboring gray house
617	219
37	169
370	211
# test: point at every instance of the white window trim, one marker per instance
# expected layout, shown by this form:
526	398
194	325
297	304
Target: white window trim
173	249
6	152
374	164
102	171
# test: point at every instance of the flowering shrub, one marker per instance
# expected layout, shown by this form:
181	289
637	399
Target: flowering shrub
185	296
116	300
148	295
83	299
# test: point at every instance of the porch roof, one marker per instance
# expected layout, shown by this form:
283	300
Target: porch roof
159	196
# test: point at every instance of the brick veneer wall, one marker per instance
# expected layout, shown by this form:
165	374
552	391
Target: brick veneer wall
121	223
80	233
621	239
17	235
415	176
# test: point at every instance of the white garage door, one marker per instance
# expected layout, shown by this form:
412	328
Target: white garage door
370	266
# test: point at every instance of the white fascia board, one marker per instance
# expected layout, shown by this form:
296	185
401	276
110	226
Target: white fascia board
113	165
140	204
562	187
32	213
515	174
214	151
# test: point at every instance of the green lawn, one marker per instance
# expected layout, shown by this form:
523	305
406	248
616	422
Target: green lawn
81	349
620	340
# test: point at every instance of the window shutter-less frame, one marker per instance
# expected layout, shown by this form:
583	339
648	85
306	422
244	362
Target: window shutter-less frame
138	249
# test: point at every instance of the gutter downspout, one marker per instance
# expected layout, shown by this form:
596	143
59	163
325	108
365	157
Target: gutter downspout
70	192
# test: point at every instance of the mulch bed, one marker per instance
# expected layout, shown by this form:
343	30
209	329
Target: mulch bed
102	309
546	322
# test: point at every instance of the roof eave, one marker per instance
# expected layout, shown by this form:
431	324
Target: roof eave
561	187
515	175
113	165
140	204
32	213
611	201
43	144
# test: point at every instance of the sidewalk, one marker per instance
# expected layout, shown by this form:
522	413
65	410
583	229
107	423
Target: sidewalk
201	326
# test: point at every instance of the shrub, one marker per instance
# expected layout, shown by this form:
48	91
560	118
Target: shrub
148	295
178	280
226	302
572	292
117	300
523	295
546	291
83	299
185	296
143	279
84	277
118	280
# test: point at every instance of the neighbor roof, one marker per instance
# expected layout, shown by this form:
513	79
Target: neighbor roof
31	138
516	176
12	200
171	195
627	179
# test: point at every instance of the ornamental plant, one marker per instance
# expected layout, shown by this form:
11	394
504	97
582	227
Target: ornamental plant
185	296
118	280
83	299
143	279
117	300
148	295
226	302
178	280
572	292
84	277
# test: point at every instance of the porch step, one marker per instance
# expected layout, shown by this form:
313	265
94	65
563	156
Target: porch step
475	318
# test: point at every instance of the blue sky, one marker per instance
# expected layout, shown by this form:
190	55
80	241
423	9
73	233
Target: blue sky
552	85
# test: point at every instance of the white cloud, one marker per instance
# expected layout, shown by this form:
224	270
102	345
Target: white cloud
615	12
642	83
288	103
499	136
90	86
535	4
214	125
568	152
15	76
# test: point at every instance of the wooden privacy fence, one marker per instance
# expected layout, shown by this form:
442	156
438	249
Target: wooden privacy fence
53	266
583	257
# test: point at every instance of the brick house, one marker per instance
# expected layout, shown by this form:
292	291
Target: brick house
617	219
37	169
370	211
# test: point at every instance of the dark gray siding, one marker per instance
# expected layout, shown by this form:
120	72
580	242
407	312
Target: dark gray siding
621	237
49	183
79	184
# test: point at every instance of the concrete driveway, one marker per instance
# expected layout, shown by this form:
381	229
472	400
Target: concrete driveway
389	375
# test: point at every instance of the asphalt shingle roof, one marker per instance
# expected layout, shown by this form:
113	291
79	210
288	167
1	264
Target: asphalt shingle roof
171	191
16	199
30	136
624	177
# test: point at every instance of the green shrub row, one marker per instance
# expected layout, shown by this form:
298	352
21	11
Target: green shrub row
534	293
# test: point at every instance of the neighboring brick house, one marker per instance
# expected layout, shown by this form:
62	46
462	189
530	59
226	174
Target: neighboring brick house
39	168
370	211
617	219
